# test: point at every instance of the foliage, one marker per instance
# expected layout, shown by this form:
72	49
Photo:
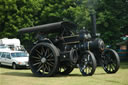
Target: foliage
112	19
111	15
17	14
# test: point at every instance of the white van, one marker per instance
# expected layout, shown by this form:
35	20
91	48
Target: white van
13	44
4	47
15	59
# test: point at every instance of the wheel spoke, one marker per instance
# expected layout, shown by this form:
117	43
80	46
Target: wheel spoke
38	63
90	68
50	64
42	51
111	68
49	55
46	52
86	70
36	57
37	60
108	67
88	58
49	69
43	68
46	67
39	68
50	60
38	53
114	64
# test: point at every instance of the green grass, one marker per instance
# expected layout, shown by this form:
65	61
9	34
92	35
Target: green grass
9	76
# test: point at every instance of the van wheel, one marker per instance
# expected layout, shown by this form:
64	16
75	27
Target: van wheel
0	64
14	66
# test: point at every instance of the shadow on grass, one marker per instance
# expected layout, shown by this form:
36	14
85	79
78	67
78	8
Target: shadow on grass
73	75
100	73
21	74
78	75
30	74
8	67
17	71
87	76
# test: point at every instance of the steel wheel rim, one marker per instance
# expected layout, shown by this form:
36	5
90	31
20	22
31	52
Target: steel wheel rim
86	64
109	62
14	66
42	60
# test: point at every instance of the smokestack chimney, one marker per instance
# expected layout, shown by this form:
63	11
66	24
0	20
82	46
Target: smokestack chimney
93	21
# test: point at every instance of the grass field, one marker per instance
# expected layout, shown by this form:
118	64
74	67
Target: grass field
9	76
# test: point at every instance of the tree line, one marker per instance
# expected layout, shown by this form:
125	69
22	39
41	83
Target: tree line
112	16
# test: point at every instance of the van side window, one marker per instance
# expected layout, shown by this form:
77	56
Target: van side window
3	55
8	55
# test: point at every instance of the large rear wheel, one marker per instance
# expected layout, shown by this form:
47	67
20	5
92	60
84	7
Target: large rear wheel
44	59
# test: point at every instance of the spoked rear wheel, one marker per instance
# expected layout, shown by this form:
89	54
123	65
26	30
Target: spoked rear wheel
87	64
110	61
44	59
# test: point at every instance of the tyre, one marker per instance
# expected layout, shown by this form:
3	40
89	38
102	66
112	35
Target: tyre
87	64
0	64
65	69
14	66
110	61
44	60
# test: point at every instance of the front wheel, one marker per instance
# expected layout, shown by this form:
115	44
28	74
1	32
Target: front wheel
110	61
87	64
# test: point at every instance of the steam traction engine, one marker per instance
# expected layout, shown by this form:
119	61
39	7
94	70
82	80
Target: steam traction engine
59	49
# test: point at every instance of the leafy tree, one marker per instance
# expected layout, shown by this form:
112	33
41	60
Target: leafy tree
16	14
112	19
111	16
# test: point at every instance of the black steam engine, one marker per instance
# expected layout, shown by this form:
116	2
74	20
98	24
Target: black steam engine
59	49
